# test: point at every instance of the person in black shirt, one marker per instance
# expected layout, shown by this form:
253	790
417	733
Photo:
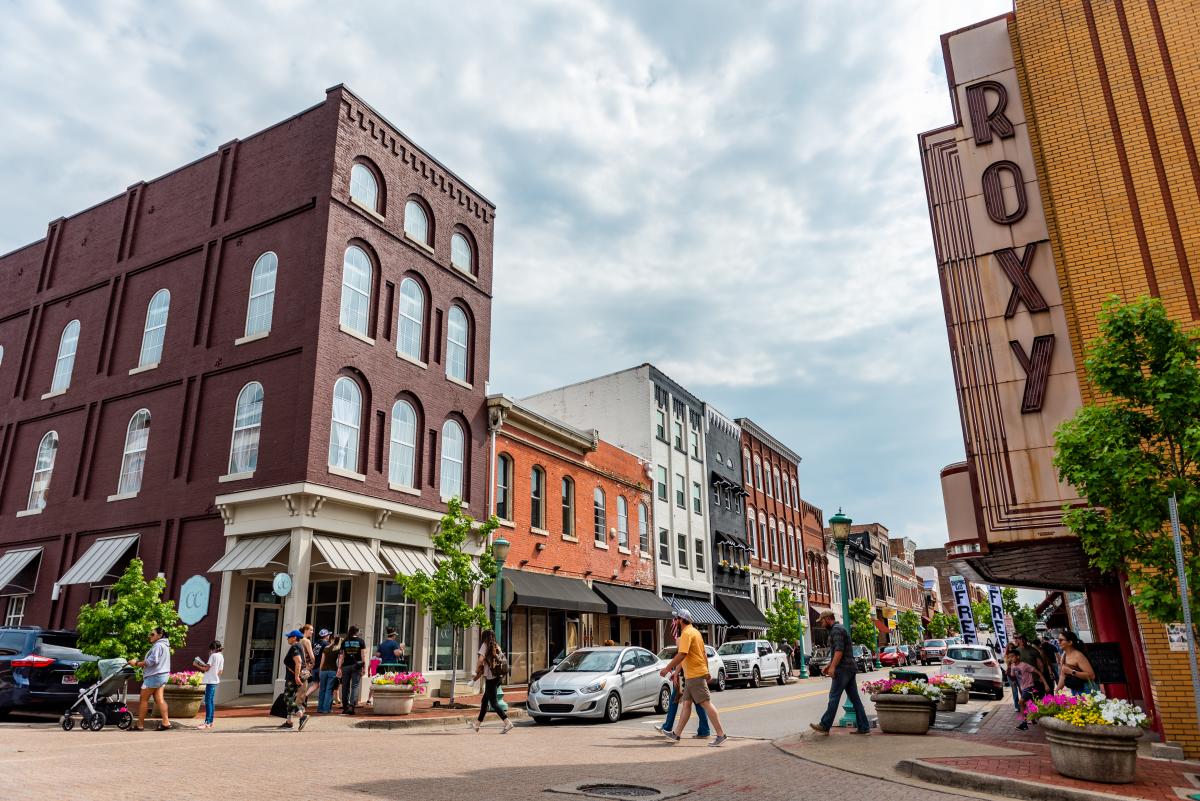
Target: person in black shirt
841	669
293	666
350	666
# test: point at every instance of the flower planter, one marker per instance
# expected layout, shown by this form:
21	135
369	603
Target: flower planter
183	702
948	703
393	700
963	696
1093	753
903	714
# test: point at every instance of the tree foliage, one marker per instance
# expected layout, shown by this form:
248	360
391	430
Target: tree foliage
982	612
783	619
1008	600
908	623
862	626
942	625
122	628
1129	453
1025	622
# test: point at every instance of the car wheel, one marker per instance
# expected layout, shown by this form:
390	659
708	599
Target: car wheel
67	722
664	700
612	709
541	720
755	678
998	694
781	679
721	683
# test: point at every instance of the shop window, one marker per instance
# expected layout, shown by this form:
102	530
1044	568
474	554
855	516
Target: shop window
394	609
15	613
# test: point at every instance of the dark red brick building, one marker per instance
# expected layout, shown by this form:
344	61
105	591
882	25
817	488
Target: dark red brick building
269	361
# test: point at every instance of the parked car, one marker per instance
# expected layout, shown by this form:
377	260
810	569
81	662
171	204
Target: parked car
931	650
911	653
893	656
716	667
602	683
979	663
863	660
37	669
751	661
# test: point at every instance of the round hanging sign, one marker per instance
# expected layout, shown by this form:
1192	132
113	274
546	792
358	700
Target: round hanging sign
282	584
193	600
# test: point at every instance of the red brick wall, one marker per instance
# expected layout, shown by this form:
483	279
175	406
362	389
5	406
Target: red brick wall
767	558
816	561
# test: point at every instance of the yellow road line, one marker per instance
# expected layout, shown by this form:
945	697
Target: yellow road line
772	701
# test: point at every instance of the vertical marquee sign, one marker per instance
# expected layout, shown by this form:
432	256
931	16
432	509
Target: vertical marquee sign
962	602
999	633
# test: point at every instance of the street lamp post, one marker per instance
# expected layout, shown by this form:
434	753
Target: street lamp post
500	548
803	610
840	524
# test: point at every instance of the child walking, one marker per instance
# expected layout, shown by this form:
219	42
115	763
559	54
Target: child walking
213	669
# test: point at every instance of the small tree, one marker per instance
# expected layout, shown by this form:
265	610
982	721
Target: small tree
1008	600
908	623
1130	452
862	626
121	629
783	619
982	612
446	594
1025	622
942	625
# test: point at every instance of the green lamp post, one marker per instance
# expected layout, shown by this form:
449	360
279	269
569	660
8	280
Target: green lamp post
500	548
840	525
802	609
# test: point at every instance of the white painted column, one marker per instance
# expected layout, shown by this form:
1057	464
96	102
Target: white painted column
295	605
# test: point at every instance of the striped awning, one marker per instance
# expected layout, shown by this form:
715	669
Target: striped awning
703	613
407	561
353	556
13	562
98	560
252	553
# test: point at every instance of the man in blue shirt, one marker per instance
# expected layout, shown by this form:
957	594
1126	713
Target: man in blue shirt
842	669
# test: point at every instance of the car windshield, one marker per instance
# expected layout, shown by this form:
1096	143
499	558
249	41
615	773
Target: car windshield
588	662
935	643
891	649
667	653
969	654
734	648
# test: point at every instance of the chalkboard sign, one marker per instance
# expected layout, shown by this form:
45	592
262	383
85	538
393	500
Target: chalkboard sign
1106	661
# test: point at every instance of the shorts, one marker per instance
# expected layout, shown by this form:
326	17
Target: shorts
155	681
696	690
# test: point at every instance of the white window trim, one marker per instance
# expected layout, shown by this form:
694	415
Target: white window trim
541	532
407	490
340	471
235	477
342	327
463	384
29	512
358	204
122	496
404	357
144	368
55	394
146	329
251	338
427	248
601	545
250	300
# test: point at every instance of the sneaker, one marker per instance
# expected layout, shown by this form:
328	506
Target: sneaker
721	738
1023	727
658	727
287	724
860	731
701	736
303	722
672	736
819	729
473	724
508	726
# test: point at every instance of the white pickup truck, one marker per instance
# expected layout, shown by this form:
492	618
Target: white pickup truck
752	661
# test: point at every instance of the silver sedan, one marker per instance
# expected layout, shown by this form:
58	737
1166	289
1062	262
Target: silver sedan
601	682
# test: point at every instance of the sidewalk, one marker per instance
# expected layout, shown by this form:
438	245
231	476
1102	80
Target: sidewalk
424	711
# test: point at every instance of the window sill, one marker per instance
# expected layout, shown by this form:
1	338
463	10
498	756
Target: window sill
338	471
145	368
54	394
122	496
464	504
29	512
601	545
541	532
506	523
454	380
404	489
356	334
569	538
624	550
251	338
363	207
406	358
422	245
645	557
235	477
465	274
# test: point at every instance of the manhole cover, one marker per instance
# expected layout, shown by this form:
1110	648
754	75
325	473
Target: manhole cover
618	790
606	788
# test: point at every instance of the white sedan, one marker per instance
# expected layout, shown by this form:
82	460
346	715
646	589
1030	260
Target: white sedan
599	683
716	667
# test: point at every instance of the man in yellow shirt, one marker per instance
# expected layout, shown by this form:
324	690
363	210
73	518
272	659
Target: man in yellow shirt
690	653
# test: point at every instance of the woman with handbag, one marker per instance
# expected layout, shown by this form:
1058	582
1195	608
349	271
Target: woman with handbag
492	668
1075	672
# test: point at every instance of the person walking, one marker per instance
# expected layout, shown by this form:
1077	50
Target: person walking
328	670
676	684
1012	657
690	654
213	667
842	670
156	666
350	666
1033	657
490	667
293	680
1050	653
310	663
797	657
314	679
1075	671
1020	676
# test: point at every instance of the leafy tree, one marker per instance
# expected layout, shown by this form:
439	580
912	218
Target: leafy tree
1127	454
1008	600
1025	622
446	594
908	623
121	629
982	612
783	619
942	625
862	626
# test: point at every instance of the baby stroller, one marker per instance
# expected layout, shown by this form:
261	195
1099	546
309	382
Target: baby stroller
102	703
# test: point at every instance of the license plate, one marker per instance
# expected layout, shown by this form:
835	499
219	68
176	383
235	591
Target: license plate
70	679
968	670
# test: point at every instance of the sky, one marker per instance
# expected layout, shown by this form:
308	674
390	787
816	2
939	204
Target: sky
731	191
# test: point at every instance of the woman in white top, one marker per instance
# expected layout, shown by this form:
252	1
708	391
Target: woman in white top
213	669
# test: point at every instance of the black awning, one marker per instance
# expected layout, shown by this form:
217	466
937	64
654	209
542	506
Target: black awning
741	611
632	602
550	592
731	539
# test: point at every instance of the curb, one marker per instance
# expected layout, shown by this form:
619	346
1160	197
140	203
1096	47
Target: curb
443	723
999	785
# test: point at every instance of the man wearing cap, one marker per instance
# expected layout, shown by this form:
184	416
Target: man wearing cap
350	664
690	653
841	669
293	664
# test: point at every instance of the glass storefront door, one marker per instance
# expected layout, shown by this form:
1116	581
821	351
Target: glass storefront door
262	649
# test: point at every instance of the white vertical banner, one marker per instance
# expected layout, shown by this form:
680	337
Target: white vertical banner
999	634
966	621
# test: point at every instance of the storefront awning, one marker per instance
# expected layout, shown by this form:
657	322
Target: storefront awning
741	611
407	561
251	554
12	563
353	556
632	602
524	588
99	559
703	613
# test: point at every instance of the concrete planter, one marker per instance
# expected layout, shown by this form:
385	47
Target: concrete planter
1093	753
392	700
963	696
182	702
948	703
903	714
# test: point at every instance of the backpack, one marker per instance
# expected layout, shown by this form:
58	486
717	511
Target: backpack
500	666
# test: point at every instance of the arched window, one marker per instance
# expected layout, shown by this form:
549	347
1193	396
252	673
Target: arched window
356	290
787	493
416	223
347	419
752	530
746	465
758	473
537	498
504	487
247	422
364	188
622	522
784	556
452	460
65	362
772	542
795	495
457	337
43	467
461	255
262	294
411	334
599	515
133	463
156	329
778	488
568	507
402	456
644	528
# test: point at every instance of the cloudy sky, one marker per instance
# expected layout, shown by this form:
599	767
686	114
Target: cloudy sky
730	190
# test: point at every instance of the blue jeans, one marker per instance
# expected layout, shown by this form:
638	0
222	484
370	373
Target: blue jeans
673	707
210	706
351	676
843	682
325	696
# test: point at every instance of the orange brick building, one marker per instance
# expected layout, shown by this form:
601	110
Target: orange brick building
577	511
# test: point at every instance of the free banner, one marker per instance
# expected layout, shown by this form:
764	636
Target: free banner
999	633
966	621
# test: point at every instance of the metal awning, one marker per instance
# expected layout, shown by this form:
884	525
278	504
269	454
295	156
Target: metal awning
13	562
741	611
703	613
353	556
99	559
252	553
731	539
541	590
632	602
407	561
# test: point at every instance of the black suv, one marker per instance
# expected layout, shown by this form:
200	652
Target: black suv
37	669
